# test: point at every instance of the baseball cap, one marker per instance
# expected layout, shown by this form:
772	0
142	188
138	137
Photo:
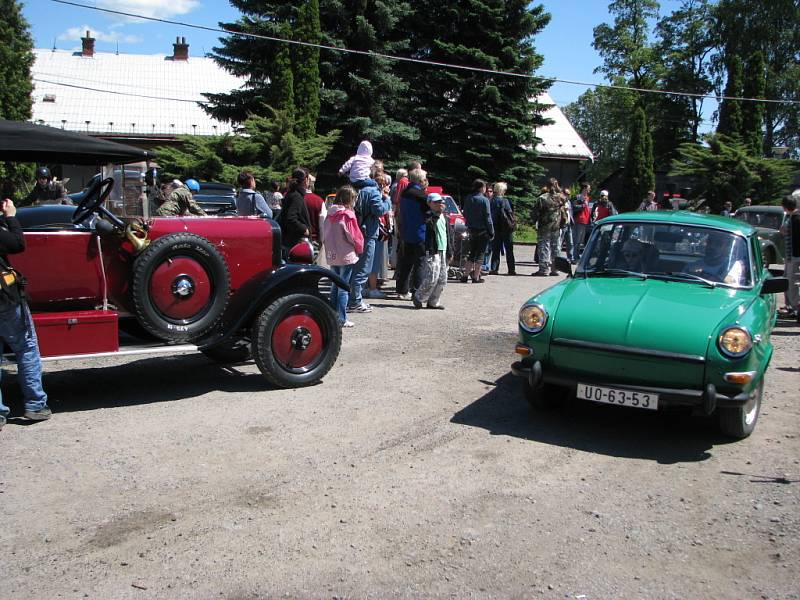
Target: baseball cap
604	193
434	197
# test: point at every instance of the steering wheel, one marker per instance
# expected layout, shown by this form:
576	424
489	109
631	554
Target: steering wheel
93	200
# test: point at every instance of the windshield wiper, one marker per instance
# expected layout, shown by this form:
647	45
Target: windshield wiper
686	276
614	273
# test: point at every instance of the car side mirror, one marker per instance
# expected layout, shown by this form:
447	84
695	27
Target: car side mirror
774	285
563	265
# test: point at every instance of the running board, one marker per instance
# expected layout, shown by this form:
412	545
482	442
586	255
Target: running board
137	351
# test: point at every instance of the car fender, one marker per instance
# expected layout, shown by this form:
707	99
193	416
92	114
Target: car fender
249	300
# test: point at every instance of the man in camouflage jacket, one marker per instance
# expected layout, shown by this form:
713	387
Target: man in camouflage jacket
179	203
548	212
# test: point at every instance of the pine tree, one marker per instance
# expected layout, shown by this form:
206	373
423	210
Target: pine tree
730	111
281	91
306	70
16	59
475	124
753	112
639	177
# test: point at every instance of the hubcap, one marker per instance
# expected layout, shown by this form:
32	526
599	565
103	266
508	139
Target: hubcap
301	338
183	287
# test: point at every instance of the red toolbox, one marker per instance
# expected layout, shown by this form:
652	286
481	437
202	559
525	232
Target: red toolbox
77	332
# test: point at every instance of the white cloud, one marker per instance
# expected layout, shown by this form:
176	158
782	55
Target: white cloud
160	9
76	33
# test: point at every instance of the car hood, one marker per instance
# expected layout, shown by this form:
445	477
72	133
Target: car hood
653	314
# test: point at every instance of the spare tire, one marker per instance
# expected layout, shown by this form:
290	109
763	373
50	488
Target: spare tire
180	287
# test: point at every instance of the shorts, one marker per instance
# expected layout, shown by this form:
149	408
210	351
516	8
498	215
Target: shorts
478	242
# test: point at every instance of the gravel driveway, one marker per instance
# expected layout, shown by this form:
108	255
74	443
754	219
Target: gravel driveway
415	469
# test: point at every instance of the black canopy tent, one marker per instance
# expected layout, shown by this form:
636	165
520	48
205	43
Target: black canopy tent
26	142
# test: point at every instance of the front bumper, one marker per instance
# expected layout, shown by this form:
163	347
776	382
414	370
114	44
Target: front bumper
707	399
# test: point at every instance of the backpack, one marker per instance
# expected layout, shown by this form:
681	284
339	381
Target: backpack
361	210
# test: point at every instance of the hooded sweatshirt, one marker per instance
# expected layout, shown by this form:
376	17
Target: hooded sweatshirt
343	238
358	167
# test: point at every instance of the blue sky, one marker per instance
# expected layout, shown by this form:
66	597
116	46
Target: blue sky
566	43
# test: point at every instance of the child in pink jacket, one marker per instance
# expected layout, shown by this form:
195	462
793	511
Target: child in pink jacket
343	244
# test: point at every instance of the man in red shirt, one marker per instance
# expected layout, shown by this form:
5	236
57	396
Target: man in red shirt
603	207
581	218
316	211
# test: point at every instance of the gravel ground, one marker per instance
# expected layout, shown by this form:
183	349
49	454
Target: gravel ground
415	469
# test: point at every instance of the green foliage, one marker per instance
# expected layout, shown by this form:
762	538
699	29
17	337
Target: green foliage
306	68
281	92
16	59
755	84
602	116
730	111
724	170
268	147
476	124
685	44
638	177
625	47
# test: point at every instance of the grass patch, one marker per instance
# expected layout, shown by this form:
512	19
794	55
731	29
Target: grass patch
525	234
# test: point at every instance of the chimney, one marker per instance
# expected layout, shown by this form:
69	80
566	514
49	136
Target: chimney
180	49
88	45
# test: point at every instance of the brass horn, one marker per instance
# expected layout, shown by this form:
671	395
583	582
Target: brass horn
137	235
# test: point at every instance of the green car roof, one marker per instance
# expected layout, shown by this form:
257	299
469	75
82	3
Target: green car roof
682	217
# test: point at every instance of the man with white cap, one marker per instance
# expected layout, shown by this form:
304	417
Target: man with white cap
603	207
438	249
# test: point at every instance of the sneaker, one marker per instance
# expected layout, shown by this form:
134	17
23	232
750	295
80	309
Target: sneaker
553	273
42	414
539	273
464	279
477	281
406	296
348	324
494	272
364	308
512	273
436	306
376	294
417	303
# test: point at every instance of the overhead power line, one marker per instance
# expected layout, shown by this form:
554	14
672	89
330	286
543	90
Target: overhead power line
419	60
118	93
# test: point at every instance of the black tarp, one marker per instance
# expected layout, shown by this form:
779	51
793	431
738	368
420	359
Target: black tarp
26	142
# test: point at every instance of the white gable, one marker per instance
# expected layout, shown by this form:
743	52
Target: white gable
132	94
559	140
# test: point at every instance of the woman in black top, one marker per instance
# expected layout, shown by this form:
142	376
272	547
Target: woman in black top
294	220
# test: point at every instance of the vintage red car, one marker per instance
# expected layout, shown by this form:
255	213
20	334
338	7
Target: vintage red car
106	279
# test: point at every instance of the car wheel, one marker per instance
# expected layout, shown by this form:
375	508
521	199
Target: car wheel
236	351
740	421
296	340
180	287
545	397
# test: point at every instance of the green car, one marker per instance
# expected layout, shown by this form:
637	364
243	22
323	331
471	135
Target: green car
664	309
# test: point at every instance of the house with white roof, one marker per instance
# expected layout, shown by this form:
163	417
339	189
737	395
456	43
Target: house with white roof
150	100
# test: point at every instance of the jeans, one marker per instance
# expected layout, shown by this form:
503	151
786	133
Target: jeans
503	243
565	237
16	329
433	280
361	273
578	233
340	296
548	249
409	266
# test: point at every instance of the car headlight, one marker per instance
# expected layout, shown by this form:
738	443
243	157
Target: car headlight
533	317
735	342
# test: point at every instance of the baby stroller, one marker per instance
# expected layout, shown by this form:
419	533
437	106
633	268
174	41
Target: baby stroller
458	263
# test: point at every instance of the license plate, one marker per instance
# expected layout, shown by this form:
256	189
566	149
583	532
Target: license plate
616	396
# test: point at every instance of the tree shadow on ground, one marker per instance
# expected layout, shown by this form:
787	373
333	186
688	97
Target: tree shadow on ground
663	437
145	381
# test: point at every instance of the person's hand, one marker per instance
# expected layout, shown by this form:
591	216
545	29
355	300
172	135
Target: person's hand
9	210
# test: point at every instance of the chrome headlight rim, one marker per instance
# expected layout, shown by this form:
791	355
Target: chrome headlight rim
529	305
728	353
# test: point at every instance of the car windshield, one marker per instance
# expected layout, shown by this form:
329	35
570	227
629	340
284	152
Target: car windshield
767	219
450	206
666	250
